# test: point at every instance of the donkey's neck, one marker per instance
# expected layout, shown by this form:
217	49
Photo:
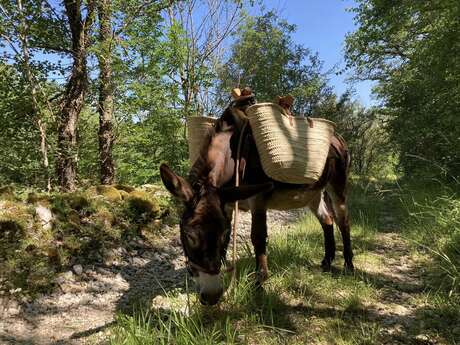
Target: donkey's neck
220	159
215	166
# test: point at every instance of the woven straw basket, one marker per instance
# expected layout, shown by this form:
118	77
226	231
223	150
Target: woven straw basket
290	150
198	128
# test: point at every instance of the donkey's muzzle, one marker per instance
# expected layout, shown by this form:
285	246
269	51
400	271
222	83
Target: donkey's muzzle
211	298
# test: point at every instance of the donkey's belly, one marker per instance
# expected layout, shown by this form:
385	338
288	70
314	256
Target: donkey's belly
286	199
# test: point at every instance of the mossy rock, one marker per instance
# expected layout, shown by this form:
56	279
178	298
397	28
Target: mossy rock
15	219
77	201
105	217
33	198
150	188
65	204
109	192
142	206
125	188
124	194
7	193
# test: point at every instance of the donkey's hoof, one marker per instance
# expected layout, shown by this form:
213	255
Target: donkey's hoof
326	265
261	277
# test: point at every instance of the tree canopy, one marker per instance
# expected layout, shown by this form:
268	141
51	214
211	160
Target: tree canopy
411	48
265	57
101	90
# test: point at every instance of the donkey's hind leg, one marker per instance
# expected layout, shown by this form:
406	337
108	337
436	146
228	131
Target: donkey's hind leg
336	198
324	215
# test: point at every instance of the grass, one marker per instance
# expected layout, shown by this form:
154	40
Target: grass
433	226
299	303
302	305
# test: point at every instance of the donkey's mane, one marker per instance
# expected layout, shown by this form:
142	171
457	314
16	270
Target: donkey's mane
199	172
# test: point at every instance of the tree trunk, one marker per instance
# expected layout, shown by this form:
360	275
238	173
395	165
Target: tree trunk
74	94
33	92
107	168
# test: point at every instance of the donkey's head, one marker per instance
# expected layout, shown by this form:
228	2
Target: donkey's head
205	222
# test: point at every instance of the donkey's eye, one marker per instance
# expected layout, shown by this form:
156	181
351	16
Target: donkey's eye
224	235
193	240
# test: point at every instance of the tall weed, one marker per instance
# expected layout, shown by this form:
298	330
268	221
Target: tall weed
434	224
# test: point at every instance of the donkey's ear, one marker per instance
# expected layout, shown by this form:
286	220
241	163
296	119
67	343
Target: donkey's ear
232	194
176	185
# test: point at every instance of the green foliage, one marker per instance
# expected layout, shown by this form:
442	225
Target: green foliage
170	327
265	58
18	134
143	145
148	126
366	134
411	48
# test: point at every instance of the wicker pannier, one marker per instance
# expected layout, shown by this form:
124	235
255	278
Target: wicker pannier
198	129
291	149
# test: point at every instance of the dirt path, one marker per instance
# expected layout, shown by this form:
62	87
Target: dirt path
86	302
399	282
398	279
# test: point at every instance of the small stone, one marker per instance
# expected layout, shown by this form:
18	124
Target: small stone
422	338
103	271
78	269
45	216
108	262
13	311
133	243
63	277
137	261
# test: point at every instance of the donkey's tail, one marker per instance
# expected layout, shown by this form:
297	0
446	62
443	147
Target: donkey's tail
341	148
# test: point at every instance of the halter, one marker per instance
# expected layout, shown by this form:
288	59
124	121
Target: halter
196	267
231	268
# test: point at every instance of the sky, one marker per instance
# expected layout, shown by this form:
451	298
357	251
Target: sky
322	26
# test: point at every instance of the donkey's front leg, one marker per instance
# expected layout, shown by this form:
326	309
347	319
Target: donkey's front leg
259	241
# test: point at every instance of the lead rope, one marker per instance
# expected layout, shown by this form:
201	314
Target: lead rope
236	211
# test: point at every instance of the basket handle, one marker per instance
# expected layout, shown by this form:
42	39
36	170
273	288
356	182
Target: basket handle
284	112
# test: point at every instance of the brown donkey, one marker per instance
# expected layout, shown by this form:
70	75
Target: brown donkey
208	195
